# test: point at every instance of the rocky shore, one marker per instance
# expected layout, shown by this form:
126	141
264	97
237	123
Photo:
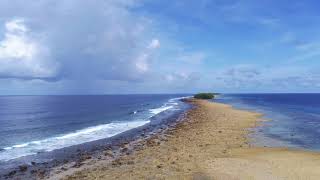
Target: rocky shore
207	132
211	141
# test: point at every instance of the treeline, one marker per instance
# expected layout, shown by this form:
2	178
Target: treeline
205	95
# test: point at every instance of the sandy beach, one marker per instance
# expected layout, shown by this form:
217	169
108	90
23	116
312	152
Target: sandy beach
210	143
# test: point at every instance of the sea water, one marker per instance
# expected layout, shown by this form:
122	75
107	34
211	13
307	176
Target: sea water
35	124
293	119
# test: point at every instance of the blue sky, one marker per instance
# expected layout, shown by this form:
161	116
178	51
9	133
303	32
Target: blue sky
158	46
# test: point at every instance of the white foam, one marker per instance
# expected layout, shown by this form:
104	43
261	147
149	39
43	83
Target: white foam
20	145
77	137
172	103
159	110
80	136
179	98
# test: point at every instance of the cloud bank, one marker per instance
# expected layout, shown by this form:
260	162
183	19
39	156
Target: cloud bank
21	55
159	46
78	40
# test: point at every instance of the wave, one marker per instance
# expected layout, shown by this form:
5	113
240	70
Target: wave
78	137
171	104
82	136
159	110
133	112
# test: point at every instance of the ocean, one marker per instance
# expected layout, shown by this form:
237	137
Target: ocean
30	125
292	119
33	126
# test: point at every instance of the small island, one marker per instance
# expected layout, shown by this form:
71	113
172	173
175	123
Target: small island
205	95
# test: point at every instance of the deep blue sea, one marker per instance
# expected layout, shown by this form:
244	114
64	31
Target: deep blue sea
33	124
294	119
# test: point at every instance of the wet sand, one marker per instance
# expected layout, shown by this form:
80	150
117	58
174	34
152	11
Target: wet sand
212	142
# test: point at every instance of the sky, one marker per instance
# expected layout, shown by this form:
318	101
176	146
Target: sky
159	46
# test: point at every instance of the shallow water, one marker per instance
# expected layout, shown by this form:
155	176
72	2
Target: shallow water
294	119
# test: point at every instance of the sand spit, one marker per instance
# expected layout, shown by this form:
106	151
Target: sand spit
210	143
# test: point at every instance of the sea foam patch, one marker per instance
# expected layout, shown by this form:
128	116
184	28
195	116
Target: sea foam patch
171	104
161	109
78	137
83	135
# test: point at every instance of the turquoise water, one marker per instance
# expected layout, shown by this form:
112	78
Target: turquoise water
294	119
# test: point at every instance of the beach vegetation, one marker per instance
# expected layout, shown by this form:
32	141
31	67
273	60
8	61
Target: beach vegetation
204	95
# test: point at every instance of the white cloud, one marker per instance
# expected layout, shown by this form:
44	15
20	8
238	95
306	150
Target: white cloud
23	56
16	26
256	78
155	44
89	40
141	63
143	60
15	43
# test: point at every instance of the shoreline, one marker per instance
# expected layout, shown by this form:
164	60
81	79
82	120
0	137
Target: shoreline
212	142
161	139
209	141
41	166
